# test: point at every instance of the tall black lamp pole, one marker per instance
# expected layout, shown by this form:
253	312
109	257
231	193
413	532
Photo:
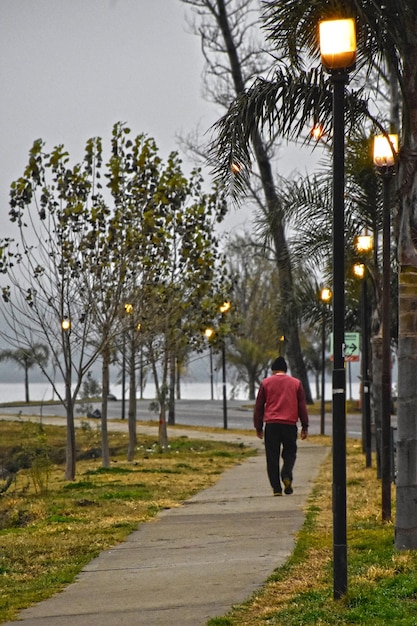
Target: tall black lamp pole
359	269
338	54
366	383
385	151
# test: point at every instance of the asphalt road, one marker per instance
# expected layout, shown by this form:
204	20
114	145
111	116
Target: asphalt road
191	413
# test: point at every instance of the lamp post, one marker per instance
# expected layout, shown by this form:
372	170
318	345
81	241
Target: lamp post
338	55
359	269
364	245
384	154
325	297
128	310
209	333
224	308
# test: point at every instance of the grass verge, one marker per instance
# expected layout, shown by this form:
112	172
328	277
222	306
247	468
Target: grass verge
382	587
50	528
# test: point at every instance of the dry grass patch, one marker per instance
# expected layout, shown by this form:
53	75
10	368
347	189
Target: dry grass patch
382	585
47	536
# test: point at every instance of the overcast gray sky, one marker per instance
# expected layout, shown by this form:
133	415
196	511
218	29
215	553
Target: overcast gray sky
70	69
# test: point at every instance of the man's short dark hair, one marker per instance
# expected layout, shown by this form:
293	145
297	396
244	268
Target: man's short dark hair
279	365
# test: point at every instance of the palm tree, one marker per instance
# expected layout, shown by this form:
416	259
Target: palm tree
387	52
37	354
232	58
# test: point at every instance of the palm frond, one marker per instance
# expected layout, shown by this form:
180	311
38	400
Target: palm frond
285	105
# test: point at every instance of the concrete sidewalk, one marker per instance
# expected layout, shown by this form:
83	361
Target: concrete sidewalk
194	562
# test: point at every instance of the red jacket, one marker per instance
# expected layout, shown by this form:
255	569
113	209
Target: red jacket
280	399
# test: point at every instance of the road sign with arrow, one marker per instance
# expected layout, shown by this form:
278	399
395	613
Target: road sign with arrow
351	346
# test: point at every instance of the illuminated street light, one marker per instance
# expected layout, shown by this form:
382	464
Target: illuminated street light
359	270
385	150
338	44
224	308
364	245
66	324
338	55
325	296
209	332
384	155
317	132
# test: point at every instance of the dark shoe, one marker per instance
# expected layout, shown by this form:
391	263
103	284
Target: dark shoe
288	490
277	493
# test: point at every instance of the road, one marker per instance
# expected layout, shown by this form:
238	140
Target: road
191	413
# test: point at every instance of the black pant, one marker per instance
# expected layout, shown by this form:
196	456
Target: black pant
277	436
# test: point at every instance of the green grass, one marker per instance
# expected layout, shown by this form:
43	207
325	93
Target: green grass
48	534
382	583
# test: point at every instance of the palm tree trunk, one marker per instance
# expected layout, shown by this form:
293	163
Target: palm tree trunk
289	315
406	483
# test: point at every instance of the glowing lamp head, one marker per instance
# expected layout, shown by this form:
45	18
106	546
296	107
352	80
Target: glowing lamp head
385	150
225	307
325	294
338	44
359	270
66	324
209	332
317	132
364	243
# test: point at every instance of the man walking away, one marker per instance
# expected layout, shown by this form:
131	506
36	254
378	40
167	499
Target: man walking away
279	404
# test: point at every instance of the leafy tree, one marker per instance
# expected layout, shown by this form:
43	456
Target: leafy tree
254	297
170	223
26	359
62	275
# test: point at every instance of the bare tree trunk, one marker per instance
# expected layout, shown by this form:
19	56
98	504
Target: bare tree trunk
171	398
70	444
105	455
163	433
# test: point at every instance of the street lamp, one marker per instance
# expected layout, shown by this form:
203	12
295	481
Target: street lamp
128	310
364	244
224	308
325	297
66	324
384	153
209	332
338	55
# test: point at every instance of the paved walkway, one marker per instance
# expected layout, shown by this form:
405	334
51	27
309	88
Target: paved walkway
194	562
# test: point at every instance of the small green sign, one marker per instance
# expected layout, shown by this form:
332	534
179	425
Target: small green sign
351	346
